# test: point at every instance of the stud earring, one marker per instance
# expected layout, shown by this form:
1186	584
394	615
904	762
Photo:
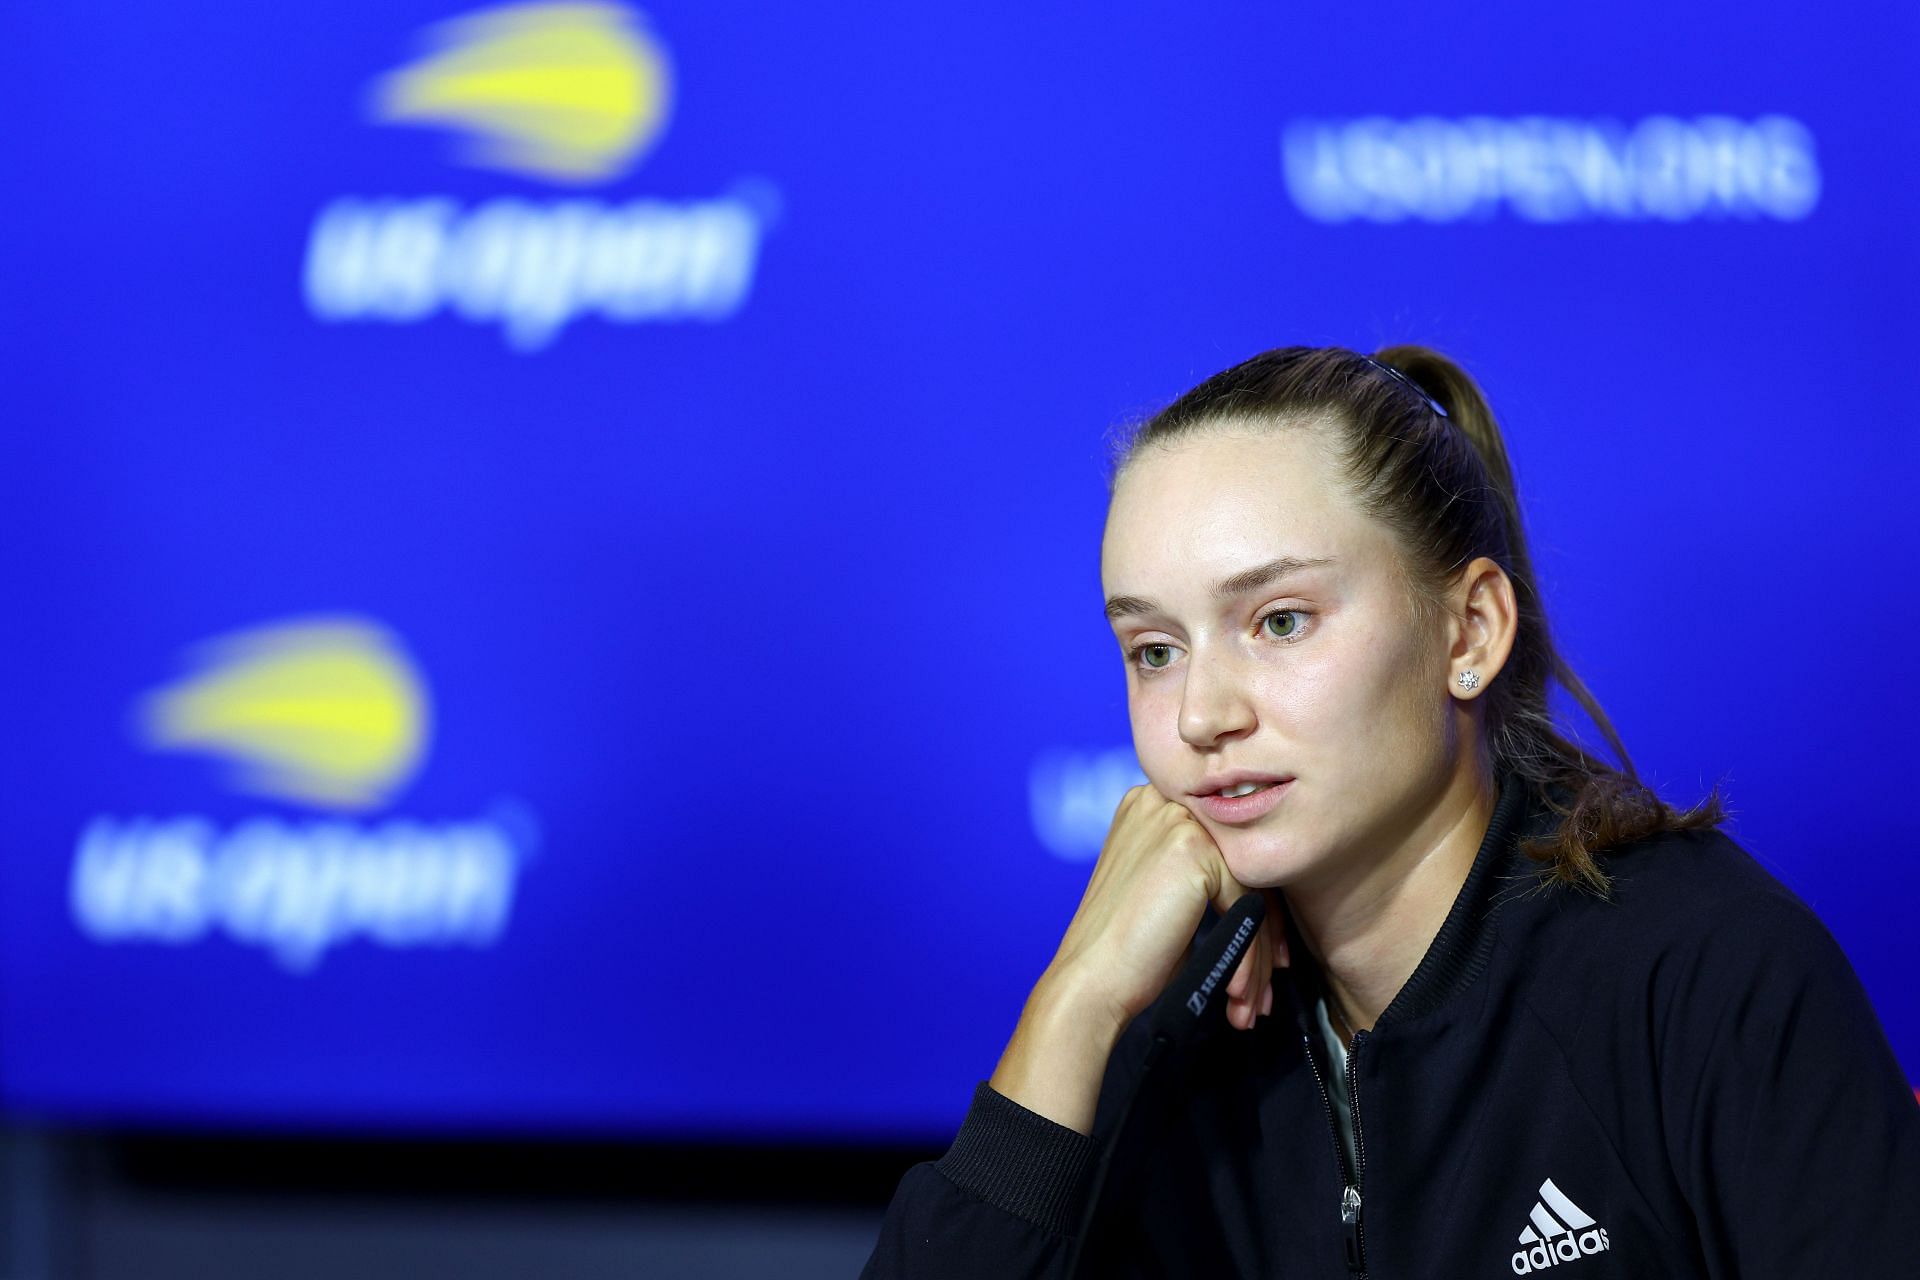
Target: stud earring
1469	679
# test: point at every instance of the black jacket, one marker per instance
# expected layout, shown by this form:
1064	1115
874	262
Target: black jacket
1686	1081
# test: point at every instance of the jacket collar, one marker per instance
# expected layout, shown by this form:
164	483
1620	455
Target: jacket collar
1458	954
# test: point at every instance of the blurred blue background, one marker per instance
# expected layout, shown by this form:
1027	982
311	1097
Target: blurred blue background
553	562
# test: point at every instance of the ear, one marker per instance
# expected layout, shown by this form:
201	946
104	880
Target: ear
1485	621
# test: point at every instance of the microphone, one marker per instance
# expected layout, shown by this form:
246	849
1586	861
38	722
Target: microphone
1179	1011
1209	968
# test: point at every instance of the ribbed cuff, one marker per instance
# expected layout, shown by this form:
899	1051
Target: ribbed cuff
1020	1161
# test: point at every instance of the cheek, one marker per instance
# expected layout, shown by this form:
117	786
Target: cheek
1163	754
1312	696
1351	695
1156	731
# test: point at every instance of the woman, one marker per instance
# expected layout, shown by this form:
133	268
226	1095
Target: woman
1507	1011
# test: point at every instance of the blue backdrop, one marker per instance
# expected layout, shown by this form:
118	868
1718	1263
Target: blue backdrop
552	553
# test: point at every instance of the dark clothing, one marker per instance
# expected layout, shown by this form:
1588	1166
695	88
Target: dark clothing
1686	1081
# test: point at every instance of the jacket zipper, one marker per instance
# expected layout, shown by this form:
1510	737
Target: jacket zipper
1356	1257
1359	1148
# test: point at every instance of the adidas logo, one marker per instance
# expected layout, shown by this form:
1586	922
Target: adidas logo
1554	1239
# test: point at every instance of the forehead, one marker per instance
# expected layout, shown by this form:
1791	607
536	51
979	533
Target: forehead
1216	504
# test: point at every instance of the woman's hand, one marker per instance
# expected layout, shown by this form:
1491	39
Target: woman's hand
1158	871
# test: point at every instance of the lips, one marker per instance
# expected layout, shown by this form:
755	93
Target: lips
1214	783
1239	810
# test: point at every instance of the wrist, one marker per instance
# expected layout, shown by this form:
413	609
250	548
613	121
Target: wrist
1054	1064
1068	1004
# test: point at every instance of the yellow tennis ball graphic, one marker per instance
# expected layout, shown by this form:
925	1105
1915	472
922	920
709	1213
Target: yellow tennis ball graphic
570	93
325	712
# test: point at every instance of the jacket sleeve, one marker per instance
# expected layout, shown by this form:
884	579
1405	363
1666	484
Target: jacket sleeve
1792	1128
1007	1199
1004	1201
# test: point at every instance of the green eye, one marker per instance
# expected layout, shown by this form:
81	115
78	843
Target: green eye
1287	631
1292	628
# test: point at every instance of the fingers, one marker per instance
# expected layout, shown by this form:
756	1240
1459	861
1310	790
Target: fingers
1250	992
1276	926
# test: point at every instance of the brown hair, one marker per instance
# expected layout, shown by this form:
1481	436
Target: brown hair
1445	489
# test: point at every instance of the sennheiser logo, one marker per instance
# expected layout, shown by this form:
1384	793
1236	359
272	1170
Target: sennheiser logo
565	94
1559	1231
1550	169
1197	1001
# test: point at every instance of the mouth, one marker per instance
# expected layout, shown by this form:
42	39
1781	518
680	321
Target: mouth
1238	783
1245	801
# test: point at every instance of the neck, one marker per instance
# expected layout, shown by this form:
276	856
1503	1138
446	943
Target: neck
1369	924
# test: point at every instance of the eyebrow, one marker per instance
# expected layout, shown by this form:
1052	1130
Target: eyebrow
1226	589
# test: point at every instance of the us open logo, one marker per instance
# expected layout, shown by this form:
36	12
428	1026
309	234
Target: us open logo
326	718
1548	169
570	95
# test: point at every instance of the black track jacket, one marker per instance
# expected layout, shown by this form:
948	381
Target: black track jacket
1686	1081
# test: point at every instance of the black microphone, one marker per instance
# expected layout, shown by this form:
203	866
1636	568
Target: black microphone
1208	969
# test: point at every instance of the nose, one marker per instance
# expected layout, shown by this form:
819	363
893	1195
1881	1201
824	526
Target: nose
1213	702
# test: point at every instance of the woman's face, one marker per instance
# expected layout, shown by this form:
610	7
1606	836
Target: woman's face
1317	673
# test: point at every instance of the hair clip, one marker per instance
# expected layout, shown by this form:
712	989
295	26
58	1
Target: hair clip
1392	372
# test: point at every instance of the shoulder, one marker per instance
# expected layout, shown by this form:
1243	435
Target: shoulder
1673	881
1684	881
1695	967
1690	911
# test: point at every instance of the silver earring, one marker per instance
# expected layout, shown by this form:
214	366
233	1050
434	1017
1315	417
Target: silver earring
1469	679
